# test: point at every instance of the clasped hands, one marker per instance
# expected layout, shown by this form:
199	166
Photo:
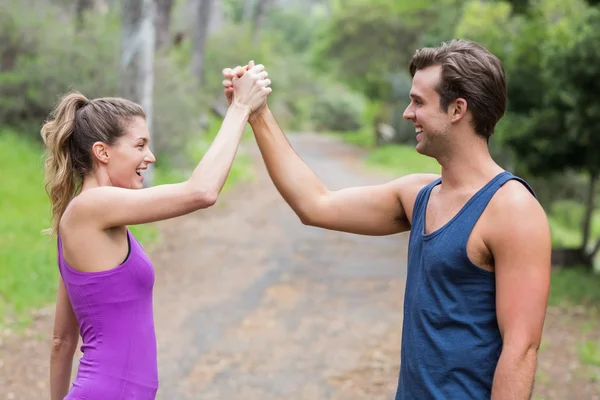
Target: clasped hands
247	87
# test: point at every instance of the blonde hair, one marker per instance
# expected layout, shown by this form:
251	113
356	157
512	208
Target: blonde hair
69	133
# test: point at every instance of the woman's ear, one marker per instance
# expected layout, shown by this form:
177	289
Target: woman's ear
100	152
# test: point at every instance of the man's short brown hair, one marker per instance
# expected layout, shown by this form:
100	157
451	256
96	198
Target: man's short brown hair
471	72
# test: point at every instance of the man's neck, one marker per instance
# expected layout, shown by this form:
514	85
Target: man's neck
468	165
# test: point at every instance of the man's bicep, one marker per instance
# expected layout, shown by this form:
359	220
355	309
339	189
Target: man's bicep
522	250
369	210
366	210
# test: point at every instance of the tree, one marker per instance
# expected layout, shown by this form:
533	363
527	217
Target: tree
258	19
562	133
162	22
248	11
137	58
81	7
203	11
365	41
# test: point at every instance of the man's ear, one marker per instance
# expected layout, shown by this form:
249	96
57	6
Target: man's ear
458	109
100	152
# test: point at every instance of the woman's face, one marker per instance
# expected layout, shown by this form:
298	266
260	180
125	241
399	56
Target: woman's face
130	156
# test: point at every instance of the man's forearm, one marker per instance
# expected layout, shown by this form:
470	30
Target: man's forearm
294	180
514	376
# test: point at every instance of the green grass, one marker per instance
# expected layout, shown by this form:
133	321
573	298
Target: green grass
363	138
28	268
401	160
393	159
589	353
565	223
27	257
574	286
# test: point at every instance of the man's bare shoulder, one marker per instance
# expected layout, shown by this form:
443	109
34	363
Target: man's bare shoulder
410	185
515	198
515	212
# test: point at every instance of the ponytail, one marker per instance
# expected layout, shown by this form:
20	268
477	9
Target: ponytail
62	181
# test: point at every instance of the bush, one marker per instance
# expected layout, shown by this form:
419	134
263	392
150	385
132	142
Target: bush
337	109
50	59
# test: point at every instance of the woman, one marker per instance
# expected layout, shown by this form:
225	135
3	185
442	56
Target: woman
97	151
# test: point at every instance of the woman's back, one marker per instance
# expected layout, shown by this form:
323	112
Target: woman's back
114	311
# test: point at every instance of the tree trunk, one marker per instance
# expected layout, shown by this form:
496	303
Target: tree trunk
571	258
589	209
162	22
248	12
217	17
595	249
137	59
259	19
203	10
81	7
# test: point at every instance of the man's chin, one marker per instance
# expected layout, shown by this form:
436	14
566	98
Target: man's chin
421	149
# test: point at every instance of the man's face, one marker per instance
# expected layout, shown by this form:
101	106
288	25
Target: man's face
432	124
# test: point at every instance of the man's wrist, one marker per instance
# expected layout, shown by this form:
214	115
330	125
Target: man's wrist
259	114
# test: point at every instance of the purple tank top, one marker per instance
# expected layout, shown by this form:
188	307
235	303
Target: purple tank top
116	323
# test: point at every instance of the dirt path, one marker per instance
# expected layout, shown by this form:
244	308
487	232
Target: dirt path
272	309
251	304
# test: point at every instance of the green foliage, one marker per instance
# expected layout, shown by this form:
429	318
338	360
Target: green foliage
565	223
576	286
337	109
402	160
539	136
445	15
293	29
294	84
177	104
561	133
392	111
27	257
489	24
53	58
364	41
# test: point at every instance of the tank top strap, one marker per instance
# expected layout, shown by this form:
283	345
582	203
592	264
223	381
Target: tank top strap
482	198
418	215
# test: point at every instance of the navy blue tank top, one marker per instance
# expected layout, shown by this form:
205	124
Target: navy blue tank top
450	339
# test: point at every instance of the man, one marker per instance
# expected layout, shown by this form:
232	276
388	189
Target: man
479	250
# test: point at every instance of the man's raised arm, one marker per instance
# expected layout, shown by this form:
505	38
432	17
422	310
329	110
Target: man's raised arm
368	210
